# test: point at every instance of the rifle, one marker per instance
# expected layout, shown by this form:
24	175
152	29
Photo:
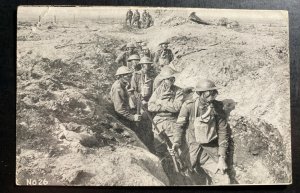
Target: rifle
162	134
138	111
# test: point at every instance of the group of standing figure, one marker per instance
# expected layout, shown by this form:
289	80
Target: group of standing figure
197	127
134	19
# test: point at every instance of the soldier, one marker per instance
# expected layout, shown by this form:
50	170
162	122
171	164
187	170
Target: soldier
164	55
139	46
127	114
145	52
119	95
133	62
203	122
166	102
150	21
142	81
129	16
144	18
123	57
136	18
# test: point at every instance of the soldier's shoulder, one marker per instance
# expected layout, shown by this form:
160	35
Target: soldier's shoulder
116	84
218	104
137	73
189	102
122	53
219	107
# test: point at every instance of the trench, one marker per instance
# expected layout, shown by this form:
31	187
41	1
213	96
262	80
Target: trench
256	153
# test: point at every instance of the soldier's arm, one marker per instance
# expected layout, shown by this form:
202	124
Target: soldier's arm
181	123
223	135
120	58
152	105
156	83
119	105
156	56
173	105
134	82
171	56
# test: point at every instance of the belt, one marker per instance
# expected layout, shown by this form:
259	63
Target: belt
166	114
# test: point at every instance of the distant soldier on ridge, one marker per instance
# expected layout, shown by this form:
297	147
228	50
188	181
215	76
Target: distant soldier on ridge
129	17
136	19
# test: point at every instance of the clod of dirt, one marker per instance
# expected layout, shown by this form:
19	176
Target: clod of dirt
124	166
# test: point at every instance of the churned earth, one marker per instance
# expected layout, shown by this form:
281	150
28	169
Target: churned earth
68	134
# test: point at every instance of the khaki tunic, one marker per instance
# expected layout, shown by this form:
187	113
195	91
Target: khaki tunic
120	99
142	83
185	124
163	57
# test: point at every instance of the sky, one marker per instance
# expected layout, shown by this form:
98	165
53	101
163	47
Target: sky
33	12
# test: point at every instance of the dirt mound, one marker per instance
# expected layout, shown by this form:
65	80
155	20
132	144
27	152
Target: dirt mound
258	152
174	21
120	166
169	19
228	23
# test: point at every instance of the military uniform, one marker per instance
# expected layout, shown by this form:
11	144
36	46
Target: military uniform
148	54
129	16
204	155
120	98
136	18
142	83
163	57
166	115
144	19
149	21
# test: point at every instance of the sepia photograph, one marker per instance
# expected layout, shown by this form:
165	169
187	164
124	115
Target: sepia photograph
152	96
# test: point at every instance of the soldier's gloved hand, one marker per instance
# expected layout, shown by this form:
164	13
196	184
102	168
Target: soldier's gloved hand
137	117
130	90
222	166
174	148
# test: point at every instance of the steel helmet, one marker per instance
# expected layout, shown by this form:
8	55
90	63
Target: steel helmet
164	42
123	70
133	57
145	60
205	85
145	48
143	44
139	41
167	72
131	45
